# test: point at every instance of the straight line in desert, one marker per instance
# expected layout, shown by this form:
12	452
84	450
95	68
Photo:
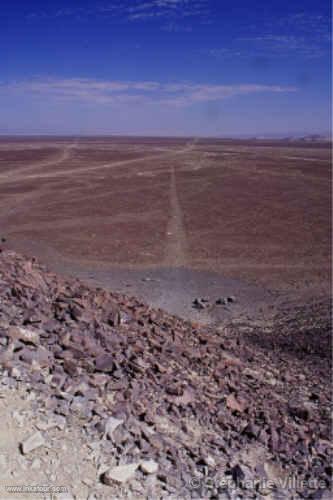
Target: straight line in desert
189	146
325	160
176	247
64	154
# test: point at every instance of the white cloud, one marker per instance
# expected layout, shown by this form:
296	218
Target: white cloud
277	42
166	10
139	92
302	35
306	23
223	52
287	44
177	28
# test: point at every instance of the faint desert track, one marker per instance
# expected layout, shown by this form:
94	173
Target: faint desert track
63	155
176	247
306	159
66	153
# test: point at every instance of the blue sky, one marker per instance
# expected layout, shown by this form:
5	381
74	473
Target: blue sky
165	67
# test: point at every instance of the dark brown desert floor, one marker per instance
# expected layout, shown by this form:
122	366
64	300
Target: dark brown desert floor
173	219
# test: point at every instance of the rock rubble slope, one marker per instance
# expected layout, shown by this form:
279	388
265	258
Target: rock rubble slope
168	408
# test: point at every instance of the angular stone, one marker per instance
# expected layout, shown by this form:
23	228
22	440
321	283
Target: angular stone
298	410
114	317
76	312
105	363
36	464
18	417
7	355
120	474
60	422
149	466
235	405
70	367
210	461
16	373
23	334
32	443
43	356
111	425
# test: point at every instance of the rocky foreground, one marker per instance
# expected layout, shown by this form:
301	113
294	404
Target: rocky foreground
167	409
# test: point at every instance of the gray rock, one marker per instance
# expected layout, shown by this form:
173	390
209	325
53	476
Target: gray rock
60	422
16	373
32	443
210	461
120	474
18	417
149	466
36	464
57	421
111	425
24	334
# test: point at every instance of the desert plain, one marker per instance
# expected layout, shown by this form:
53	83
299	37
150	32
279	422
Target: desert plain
171	219
212	363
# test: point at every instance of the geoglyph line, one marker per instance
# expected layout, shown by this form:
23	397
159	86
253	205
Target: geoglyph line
82	170
176	248
20	173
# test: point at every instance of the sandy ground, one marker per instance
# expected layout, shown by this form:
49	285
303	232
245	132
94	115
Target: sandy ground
174	290
54	466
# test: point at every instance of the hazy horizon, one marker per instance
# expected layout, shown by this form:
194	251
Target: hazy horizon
267	136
